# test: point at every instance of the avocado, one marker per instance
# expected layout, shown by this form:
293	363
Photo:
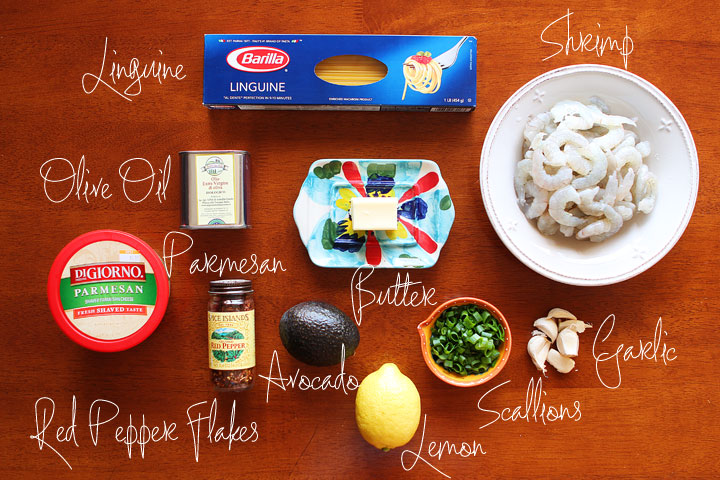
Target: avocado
314	332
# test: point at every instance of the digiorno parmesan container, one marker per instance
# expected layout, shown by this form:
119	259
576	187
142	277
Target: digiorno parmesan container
108	290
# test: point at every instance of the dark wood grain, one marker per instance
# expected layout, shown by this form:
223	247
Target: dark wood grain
661	422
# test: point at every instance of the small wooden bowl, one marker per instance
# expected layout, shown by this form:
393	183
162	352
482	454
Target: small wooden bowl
425	329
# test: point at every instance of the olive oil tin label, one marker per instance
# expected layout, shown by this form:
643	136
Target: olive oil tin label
215	187
231	337
108	290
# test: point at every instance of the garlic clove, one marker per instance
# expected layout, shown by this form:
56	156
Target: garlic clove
561	363
548	326
538	348
575	325
568	342
561	313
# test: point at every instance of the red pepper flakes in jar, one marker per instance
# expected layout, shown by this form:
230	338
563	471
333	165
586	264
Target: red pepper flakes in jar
231	334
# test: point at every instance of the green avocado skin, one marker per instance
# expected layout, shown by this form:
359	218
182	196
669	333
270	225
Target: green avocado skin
314	332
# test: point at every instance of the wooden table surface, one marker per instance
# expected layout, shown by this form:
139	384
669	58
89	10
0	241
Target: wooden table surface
660	422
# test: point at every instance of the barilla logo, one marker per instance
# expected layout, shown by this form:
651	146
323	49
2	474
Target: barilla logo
258	59
107	272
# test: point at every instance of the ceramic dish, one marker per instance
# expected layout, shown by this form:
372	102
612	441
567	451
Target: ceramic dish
425	331
643	240
425	213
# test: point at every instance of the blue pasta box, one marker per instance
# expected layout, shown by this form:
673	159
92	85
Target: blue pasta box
340	72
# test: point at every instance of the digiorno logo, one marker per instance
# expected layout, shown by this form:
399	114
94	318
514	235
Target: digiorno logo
258	59
107	272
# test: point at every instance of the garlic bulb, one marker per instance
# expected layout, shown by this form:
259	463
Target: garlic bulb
538	348
548	326
568	342
576	325
560	313
561	363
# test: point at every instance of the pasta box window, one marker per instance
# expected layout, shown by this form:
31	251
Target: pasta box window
340	72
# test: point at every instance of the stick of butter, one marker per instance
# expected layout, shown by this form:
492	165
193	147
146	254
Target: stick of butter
374	213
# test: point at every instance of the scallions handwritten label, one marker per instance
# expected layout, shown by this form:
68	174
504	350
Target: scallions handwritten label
589	42
649	350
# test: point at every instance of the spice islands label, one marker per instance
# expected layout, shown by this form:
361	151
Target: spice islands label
108	290
231	337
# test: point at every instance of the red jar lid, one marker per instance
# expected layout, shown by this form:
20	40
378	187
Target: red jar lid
108	290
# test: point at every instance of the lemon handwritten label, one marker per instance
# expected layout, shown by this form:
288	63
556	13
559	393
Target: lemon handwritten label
650	350
593	42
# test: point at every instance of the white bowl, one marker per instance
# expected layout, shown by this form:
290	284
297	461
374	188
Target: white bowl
644	239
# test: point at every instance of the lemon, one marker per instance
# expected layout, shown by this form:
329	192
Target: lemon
387	408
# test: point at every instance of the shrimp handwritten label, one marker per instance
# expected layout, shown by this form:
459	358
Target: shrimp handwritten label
136	432
62	180
400	294
212	263
611	377
437	450
589	42
341	381
129	75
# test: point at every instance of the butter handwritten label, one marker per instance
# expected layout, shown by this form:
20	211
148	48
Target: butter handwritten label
130	75
437	450
251	265
401	294
341	381
649	350
63	180
588	42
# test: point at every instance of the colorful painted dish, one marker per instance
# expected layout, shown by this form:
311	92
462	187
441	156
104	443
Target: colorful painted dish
642	242
425	213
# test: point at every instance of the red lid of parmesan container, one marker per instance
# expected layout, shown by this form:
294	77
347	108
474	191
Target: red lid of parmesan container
108	290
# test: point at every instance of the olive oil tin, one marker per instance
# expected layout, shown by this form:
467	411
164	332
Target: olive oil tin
215	189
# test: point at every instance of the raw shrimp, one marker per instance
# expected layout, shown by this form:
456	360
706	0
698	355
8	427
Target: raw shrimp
625	209
559	138
611	139
522	176
611	190
588	204
596	228
645	190
598	159
540	200
537	124
543	179
547	225
629	156
626	185
558	204
573	115
643	148
577	162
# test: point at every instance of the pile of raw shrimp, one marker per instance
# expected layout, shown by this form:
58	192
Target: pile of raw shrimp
582	173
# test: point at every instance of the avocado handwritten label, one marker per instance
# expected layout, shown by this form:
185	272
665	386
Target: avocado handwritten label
136	433
212	263
130	75
646	351
341	381
437	450
533	410
140	179
588	42
400	294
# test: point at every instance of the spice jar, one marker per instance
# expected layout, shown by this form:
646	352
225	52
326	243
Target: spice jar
231	334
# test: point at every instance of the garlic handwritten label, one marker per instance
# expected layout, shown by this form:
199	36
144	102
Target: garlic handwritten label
341	381
646	351
140	179
534	409
251	265
134	433
401	294
129	74
589	42
437	450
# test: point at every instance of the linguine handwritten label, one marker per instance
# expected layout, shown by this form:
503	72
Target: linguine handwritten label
594	42
125	77
609	373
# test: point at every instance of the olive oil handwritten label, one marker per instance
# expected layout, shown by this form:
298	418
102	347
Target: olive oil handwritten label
212	263
134	432
341	381
437	450
401	294
534	409
611	377
140	179
231	338
126	76
593	42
